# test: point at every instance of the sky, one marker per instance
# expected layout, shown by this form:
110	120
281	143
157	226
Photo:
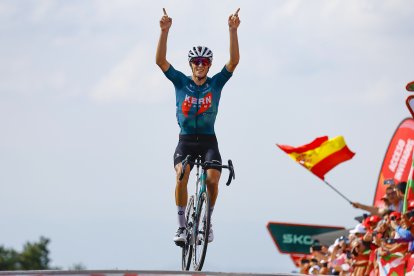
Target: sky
88	126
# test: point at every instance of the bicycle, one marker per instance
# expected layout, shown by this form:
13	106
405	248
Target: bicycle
198	214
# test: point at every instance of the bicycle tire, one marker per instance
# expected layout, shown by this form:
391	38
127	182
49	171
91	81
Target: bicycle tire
202	230
186	255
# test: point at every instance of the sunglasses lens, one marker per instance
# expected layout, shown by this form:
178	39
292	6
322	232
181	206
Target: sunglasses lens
201	61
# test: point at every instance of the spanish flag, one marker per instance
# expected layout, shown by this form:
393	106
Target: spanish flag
321	155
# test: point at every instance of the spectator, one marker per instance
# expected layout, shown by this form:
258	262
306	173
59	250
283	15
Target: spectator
304	266
314	270
395	203
401	189
319	252
360	252
338	255
324	268
345	270
383	241
371	222
358	232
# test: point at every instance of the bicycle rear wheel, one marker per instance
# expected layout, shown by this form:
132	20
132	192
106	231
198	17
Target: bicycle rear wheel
188	247
202	229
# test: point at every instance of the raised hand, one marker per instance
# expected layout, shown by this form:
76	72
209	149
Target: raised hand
234	20
165	22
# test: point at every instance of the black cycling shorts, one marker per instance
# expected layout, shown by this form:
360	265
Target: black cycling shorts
205	146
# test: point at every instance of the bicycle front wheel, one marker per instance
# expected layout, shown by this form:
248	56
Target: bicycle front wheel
188	247
201	231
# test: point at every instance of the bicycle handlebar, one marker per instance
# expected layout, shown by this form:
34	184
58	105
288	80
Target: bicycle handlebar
207	165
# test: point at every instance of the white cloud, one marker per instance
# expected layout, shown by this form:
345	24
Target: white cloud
135	78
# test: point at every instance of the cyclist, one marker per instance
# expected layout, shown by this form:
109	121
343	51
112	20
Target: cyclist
197	101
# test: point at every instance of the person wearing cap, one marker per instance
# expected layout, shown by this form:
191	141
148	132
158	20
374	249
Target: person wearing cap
338	254
395	203
394	216
357	233
371	222
405	229
358	230
369	240
314	270
394	221
360	252
395	244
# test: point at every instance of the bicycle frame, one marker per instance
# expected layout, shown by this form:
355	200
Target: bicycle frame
200	188
197	216
201	181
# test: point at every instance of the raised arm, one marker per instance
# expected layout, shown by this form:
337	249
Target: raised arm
372	209
161	55
234	23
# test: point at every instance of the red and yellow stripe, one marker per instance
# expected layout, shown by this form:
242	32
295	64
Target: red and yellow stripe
321	155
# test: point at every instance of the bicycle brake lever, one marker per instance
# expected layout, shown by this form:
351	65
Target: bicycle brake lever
231	174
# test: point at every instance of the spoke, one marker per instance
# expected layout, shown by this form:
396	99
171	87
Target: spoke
202	220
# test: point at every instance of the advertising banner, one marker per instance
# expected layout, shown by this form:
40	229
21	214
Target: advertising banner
296	238
397	161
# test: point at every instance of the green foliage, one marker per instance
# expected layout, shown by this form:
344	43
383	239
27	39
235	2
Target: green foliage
35	256
8	259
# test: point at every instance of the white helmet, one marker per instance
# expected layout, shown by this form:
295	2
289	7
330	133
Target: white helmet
200	51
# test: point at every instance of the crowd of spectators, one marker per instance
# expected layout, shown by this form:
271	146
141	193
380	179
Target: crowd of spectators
382	243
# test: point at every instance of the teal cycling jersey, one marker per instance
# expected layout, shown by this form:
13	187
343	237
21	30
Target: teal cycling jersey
197	106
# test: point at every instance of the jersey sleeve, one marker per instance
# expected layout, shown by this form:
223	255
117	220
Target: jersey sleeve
175	76
222	77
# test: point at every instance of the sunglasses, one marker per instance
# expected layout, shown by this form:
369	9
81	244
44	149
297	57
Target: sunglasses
200	61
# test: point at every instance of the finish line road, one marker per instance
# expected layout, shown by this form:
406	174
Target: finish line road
126	273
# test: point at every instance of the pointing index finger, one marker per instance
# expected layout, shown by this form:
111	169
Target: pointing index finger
237	12
165	12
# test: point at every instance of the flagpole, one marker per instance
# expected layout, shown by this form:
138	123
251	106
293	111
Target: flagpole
338	192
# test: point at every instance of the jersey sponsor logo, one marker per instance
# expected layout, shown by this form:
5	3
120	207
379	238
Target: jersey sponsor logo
203	103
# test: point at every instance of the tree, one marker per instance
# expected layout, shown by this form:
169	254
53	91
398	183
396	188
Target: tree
8	259
35	256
